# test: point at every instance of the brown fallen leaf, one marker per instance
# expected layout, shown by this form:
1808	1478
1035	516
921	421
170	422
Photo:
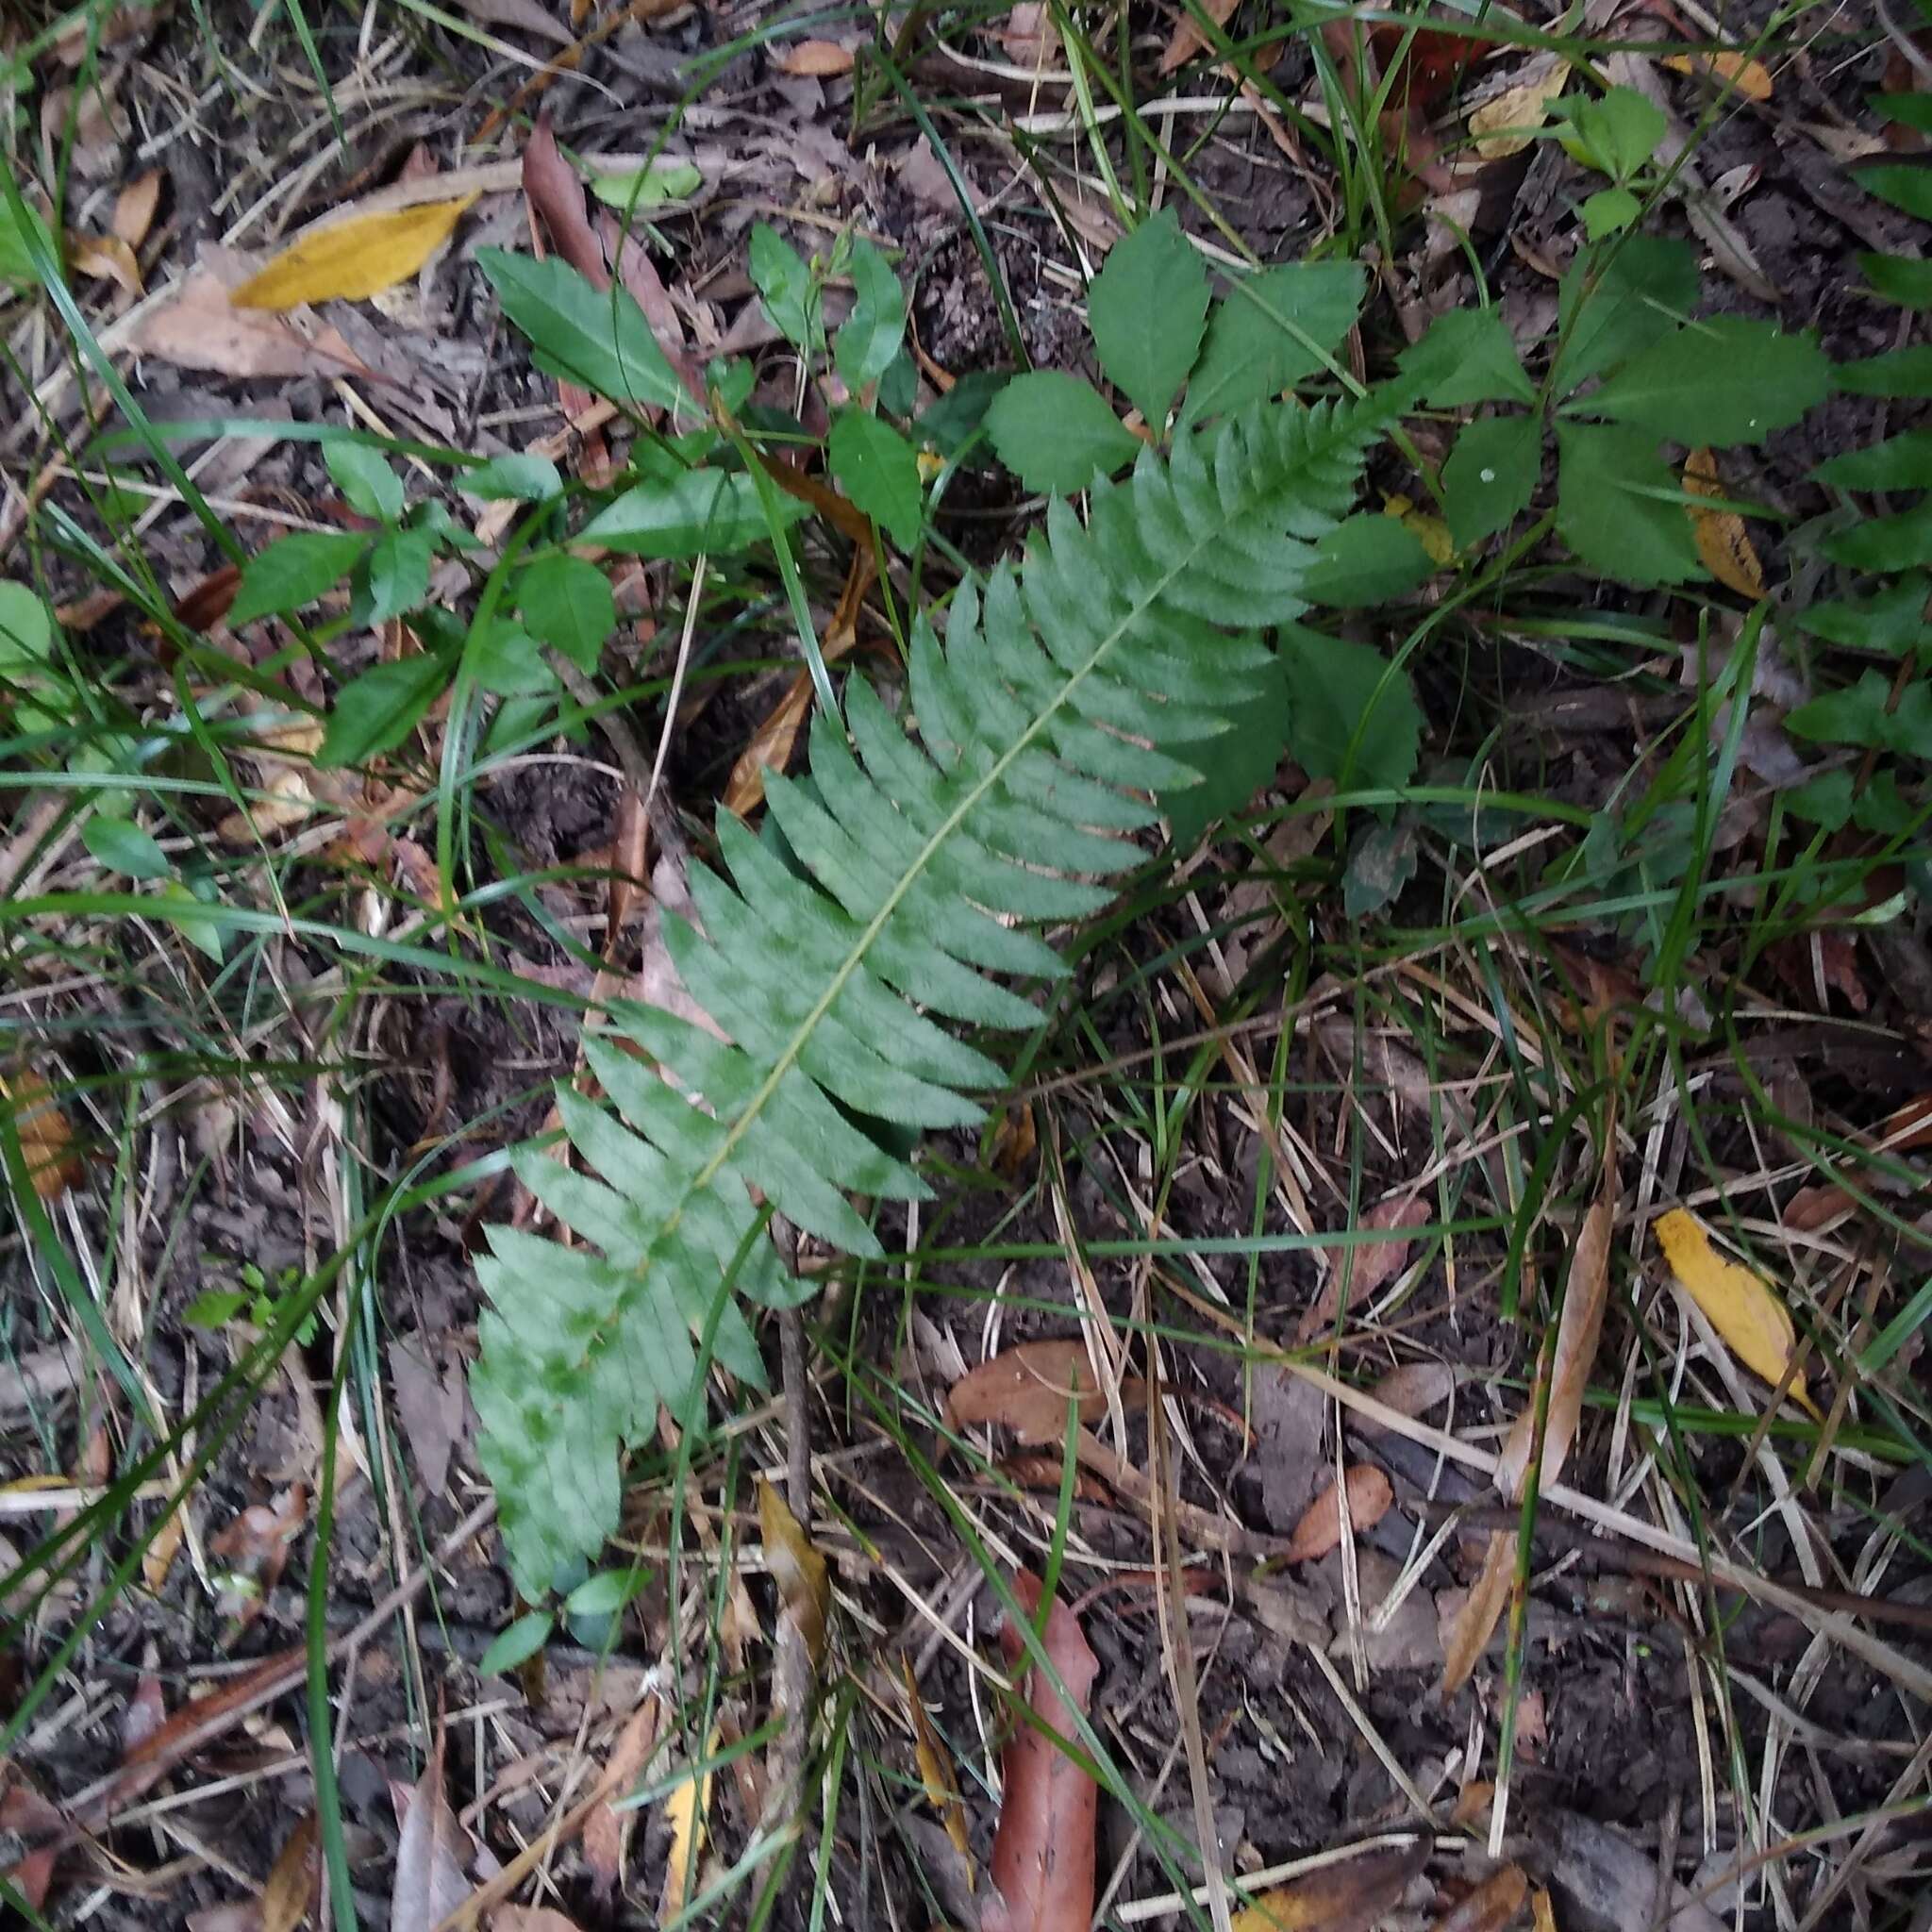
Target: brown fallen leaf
1029	37
1043	1846
1608	1881
1415	1388
1369	1496
23	1811
804	1588
107	259
254	1548
604	1828
1726	68
551	186
1467	1631
431	1854
1373	1266
1350	1894
202	329
1027	1388
134	208
1491	1905
1817	964
46	1138
936	1769
1910	1127
294	1880
814	59
1187	40
1724	546
349	257
146	1712
430	1405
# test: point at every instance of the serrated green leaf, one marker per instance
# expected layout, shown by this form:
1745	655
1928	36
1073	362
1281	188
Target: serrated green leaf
869	340
1491	476
1854	715
1901	462
1148	309
398	569
517	476
1616	132
880	470
371	487
1904	184
294	571
375	712
1620	507
1906	279
1730	380
121	845
597	338
568	603
1055	432
507	660
214	1308
1892	620
1885	544
1352	716
1645	284
783	279
1268	332
694	511
515	1644
1897	373
1825	800
1365	559
1468	357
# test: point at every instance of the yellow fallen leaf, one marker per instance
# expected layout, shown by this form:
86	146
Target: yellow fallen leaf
1432	533
1754	1325
1506	124
935	1771
349	259
1722	545
1751	78
685	1806
107	259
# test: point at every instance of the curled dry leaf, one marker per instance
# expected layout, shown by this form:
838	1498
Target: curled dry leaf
431	1854
1027	1389
1739	1304
1578	1330
346	258
685	1806
604	1829
1373	1266
1724	546
134	208
1350	1894
814	59
46	1138
1726	68
293	1881
936	1771
1415	1388
805	1588
1507	123
1187	40
1910	1127
1473	1620
252	1550
1368	1494
1043	1848
1491	1905
202	329
107	259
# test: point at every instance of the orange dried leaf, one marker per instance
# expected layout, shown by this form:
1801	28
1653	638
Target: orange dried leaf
1187	39
107	259
1027	1389
47	1139
935	1770
815	59
347	260
134	208
1369	1496
805	1588
1724	546
1471	1629
1751	78
1491	1905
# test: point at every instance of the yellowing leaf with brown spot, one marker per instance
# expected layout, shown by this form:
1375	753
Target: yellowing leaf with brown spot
1751	78
1754	1325
1506	124
349	259
1722	546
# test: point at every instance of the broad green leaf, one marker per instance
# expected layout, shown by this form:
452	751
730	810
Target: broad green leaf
783	279
1901	278
1904	184
1269	331
1468	357
1897	373
1727	380
1885	544
958	413
647	186
869	340
1901	462
1619	506
215	1307
1055	432
517	1643
26	629
1352	715
1892	620
1647	283
1854	715
398	573
1236	764
1148	309
1491	476
880	470
375	712
121	845
697	512
294	571
518	476
1615	133
507	659
1609	210
368	483
1825	800
598	339
1365	559
186	909
606	1591
568	603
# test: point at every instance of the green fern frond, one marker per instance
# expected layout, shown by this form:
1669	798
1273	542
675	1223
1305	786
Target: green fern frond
1066	691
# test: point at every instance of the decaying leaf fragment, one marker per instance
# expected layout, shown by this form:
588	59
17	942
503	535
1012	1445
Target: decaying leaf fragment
1507	123
1726	68
1741	1306
201	328
1341	1897
1042	1850
936	1771
1369	1496
1027	1389
349	259
431	1854
1724	546
685	1806
804	1590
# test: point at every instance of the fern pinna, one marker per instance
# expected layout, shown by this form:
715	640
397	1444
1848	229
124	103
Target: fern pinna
1065	692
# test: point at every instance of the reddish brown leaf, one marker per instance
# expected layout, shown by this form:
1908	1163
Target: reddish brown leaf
24	1813
1491	1905
552	188
1815	965
1374	1264
1910	1127
254	1547
1415	1388
1187	39
1369	1497
46	1139
1042	1849
1026	1389
814	59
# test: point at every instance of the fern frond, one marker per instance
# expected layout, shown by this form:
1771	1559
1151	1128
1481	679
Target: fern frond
1066	691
